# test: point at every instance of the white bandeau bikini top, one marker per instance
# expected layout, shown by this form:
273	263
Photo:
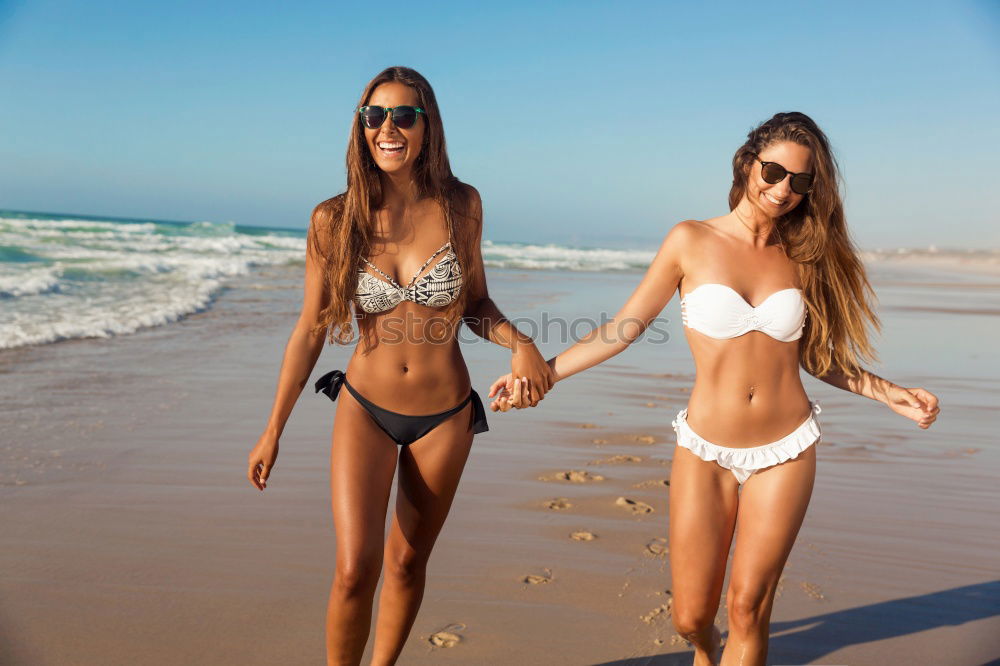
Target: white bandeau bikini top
720	312
438	288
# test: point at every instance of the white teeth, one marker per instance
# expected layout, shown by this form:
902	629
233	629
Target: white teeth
386	145
777	202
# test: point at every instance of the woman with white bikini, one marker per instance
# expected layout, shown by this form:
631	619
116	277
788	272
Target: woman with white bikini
773	286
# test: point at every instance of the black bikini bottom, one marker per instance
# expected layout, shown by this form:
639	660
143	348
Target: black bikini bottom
402	428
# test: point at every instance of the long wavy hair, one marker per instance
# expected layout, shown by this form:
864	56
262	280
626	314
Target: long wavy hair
343	228
839	299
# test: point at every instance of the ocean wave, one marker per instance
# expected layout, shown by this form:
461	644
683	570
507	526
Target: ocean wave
558	257
78	225
116	312
102	278
932	255
32	281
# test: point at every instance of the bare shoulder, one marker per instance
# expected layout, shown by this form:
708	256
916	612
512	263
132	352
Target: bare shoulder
321	224
696	235
685	236
326	212
684	244
470	192
471	200
468	206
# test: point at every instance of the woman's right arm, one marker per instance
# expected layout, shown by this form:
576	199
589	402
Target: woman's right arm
303	348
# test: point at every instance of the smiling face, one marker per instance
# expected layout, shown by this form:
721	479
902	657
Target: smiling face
395	150
778	199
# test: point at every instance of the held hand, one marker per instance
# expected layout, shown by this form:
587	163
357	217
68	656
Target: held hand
510	393
917	404
528	363
262	459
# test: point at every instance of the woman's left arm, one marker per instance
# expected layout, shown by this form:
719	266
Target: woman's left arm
484	318
917	404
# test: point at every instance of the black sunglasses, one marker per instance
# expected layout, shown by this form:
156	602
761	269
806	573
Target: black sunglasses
403	117
773	173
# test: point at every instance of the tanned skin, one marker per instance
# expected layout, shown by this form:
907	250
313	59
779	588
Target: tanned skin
408	361
747	391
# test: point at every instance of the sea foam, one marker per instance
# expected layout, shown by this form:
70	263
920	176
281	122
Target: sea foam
100	278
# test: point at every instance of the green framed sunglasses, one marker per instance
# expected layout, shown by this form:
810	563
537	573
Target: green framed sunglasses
403	117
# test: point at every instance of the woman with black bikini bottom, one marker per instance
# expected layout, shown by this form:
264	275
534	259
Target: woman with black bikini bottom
409	402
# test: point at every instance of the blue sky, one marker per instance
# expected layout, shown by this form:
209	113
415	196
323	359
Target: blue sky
587	123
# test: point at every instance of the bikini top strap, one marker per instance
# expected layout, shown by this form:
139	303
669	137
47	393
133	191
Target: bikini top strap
428	262
379	271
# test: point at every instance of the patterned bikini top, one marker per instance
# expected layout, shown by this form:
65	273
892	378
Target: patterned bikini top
438	288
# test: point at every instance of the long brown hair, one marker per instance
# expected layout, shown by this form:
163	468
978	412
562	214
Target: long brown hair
838	296
343	227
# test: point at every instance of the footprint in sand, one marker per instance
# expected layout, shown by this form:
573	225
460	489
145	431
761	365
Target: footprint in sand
660	612
644	439
598	440
558	504
651	404
573	476
635	506
812	590
616	460
657	547
538	579
654	482
589	426
447	637
583	535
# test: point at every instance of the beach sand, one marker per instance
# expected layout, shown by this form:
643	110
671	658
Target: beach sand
131	536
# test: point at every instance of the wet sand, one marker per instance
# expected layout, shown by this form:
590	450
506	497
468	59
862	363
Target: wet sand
131	536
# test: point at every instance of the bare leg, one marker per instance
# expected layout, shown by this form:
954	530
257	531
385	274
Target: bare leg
429	472
703	505
772	505
362	463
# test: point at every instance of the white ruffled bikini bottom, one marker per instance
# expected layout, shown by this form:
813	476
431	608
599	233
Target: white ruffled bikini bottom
744	462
